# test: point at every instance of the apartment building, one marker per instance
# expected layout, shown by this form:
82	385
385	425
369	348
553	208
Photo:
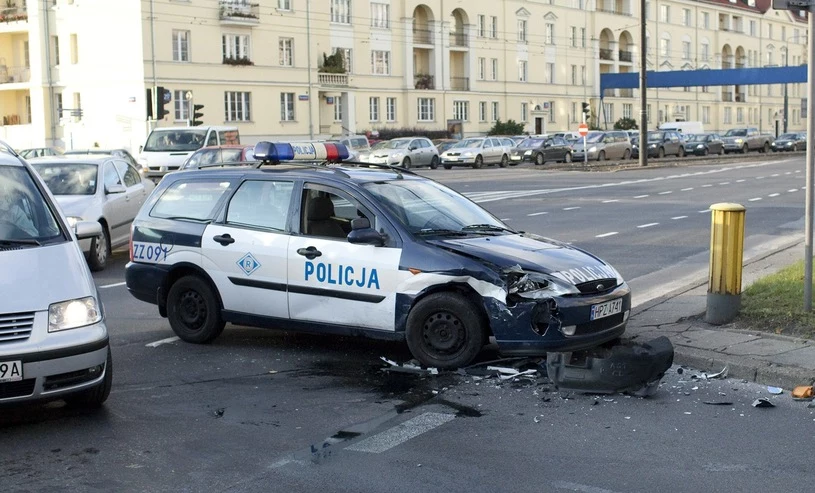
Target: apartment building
76	72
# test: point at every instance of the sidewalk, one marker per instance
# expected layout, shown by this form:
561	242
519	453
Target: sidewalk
759	357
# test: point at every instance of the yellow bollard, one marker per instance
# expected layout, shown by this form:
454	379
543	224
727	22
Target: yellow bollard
726	257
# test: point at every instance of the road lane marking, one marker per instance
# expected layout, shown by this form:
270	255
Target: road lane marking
741	181
647	225
686	189
116	285
401	433
759	177
679	217
580	488
641	196
604	235
803	188
702	212
570	208
788	173
774	195
665	193
774	175
505	219
792	190
798	171
163	341
610	201
755	199
707	186
537	214
724	183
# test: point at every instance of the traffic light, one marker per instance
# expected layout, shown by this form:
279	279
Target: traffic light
197	115
586	109
150	106
163	97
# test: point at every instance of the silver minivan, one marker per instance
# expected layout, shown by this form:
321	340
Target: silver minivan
53	339
602	145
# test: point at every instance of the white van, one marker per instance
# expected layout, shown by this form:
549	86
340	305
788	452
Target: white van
684	127
167	148
53	339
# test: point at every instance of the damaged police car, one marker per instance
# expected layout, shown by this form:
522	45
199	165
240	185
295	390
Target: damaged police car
328	247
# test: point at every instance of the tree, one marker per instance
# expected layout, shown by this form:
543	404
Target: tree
510	127
333	64
626	124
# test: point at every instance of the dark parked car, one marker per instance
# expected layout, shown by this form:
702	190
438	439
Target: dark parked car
444	144
790	142
704	144
539	150
662	143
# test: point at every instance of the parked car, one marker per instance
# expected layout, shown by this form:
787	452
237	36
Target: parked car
229	154
476	152
104	189
444	144
40	152
635	146
540	150
356	144
55	344
602	145
746	139
119	153
405	151
662	143
704	144
790	142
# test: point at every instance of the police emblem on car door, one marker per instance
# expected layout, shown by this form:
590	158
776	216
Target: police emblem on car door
333	280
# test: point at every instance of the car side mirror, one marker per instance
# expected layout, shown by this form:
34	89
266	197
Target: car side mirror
363	234
413	148
115	189
87	229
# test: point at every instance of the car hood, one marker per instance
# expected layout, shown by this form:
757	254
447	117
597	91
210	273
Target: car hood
733	138
462	150
33	278
532	253
783	141
382	152
76	205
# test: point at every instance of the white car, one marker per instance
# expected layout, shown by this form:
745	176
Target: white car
476	152
406	152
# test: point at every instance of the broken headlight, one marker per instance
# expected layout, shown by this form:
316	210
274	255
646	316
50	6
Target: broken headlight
526	283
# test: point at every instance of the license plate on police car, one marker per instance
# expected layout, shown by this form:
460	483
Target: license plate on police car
11	371
607	309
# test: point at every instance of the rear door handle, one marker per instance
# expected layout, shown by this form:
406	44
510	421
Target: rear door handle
310	253
224	239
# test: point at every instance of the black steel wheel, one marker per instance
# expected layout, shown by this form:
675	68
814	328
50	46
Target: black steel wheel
194	311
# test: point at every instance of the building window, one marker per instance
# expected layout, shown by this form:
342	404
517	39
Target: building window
482	26
381	15
583	75
705	20
665	47
686	50
522	71
728	115
549	34
524	112
427	109
390	109
337	108
648	114
286	52
551	112
495	114
55	47
628	110
752	28
74	49
582	37
482	69
549	74
521	31
705	55
493	27
573	37
739	115
608	112
381	62
283	4
341	11
181	46
574	75
494	72
235	47
686	17
182	104
482	111
664	13
373	109
77	109
347	59
461	110
287	106
58	104
236	106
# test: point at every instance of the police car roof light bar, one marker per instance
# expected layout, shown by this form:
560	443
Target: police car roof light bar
306	152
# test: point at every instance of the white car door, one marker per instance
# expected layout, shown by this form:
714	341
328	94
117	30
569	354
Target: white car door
116	206
246	253
333	281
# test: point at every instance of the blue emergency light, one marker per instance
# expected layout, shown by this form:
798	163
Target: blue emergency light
276	152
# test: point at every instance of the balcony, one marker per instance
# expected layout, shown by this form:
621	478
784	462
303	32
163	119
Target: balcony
459	83
741	97
239	13
626	93
727	96
459	40
626	56
422	36
13	13
606	54
14	75
613	10
423	81
334	80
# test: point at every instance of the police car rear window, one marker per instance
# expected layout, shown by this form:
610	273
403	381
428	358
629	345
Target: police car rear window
194	200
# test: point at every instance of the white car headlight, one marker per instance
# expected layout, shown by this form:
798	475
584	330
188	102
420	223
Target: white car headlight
536	284
593	149
700	146
652	146
73	313
528	153
467	154
739	141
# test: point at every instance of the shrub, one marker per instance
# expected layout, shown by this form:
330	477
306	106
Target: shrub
625	124
395	133
510	127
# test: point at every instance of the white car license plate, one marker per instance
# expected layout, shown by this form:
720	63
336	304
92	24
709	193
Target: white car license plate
11	371
607	309
516	158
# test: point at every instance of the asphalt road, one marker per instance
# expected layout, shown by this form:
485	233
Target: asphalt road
262	410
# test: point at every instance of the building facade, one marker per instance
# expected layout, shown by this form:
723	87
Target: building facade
75	73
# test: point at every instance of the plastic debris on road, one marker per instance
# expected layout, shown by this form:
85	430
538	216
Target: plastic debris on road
803	392
409	367
761	402
775	390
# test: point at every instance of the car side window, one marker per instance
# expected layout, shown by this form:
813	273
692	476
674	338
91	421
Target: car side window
213	138
328	213
261	204
195	199
130	176
111	175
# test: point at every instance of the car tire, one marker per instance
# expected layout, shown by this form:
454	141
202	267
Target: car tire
504	161
447	166
744	149
601	156
766	148
539	160
96	396
627	155
567	158
681	152
194	311
479	161
434	163
661	153
445	330
406	163
705	151
100	251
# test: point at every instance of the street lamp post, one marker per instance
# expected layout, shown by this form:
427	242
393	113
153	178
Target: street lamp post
643	154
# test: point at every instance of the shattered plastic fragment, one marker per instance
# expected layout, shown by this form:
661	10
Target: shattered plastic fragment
721	374
775	390
762	402
718	403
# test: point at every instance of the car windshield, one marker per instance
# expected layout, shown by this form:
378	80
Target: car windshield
788	137
530	143
69	178
175	140
697	138
391	144
25	217
594	138
736	132
427	206
655	136
470	143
